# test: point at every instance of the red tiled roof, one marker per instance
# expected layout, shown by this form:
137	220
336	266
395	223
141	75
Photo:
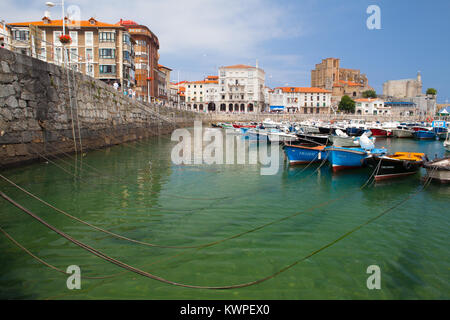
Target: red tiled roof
202	81
303	89
239	66
163	67
58	23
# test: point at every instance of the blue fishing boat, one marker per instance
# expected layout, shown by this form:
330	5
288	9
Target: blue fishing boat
298	154
345	158
424	134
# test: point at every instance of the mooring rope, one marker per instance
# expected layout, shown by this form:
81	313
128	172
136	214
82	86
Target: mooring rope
235	286
151	191
209	244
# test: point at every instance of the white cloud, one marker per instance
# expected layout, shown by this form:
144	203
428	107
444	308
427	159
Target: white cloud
196	36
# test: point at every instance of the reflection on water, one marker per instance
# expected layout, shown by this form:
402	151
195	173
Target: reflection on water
135	190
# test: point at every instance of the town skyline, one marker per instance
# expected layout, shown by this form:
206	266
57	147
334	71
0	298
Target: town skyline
277	34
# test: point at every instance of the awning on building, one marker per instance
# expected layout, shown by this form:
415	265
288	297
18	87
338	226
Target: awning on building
274	108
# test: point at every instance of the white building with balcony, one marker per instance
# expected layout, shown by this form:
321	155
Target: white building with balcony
372	106
240	89
306	100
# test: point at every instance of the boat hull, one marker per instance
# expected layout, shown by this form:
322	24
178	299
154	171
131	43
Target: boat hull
377	132
298	154
390	168
311	138
345	158
424	135
439	170
343	141
402	133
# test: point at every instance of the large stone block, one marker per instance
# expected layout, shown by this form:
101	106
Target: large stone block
6	90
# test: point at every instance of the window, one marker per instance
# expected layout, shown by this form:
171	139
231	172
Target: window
74	36
126	39
107	53
43	53
89	38
56	35
107	36
126	56
21	35
89	54
73	55
58	55
106	68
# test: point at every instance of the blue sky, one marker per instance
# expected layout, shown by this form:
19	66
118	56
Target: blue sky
286	37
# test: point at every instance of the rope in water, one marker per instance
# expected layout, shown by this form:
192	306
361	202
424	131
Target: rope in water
182	247
236	286
154	192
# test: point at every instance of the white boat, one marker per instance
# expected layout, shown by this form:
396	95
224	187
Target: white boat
269	123
439	169
447	143
281	136
402	132
341	139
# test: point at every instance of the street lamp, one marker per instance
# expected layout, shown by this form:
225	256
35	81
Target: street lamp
51	5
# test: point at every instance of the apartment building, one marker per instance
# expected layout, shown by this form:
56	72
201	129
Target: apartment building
241	88
201	95
100	50
5	36
307	100
146	59
371	106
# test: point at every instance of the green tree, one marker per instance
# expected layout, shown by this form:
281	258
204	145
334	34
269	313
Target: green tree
347	105
432	91
369	94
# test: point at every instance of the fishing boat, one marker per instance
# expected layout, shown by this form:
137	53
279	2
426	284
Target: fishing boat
441	133
281	136
238	126
301	154
447	143
395	165
438	169
226	125
269	123
379	132
424	134
319	139
347	158
341	139
402	132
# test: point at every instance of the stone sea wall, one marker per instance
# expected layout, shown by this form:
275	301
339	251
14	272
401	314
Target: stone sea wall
49	110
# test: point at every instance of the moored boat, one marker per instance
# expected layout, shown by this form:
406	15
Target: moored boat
301	154
345	158
379	132
402	132
438	169
320	139
395	165
447	143
424	134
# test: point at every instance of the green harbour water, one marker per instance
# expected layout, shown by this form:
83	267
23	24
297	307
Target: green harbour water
142	195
